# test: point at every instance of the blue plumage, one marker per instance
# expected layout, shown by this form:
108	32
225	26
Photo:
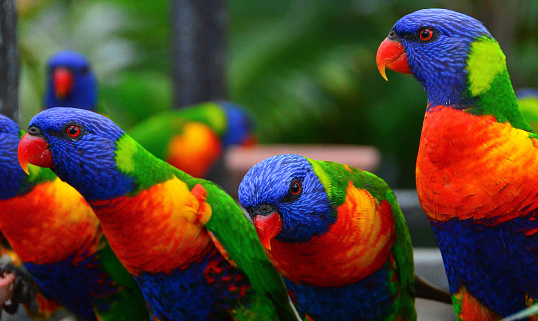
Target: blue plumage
199	297
240	125
473	263
13	182
428	61
365	300
70	294
304	218
101	165
80	92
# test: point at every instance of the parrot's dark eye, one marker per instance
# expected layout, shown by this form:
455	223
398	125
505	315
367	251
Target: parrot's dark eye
73	130
294	191
425	34
295	188
85	70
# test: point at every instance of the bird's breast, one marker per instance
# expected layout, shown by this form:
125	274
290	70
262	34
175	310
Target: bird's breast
157	230
354	247
471	166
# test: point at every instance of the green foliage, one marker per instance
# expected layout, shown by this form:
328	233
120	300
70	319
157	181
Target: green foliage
306	69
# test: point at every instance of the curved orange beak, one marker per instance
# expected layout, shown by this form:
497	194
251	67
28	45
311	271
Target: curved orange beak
267	226
34	150
391	54
63	82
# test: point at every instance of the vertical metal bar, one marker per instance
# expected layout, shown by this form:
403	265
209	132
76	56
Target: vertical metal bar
198	31
198	51
9	61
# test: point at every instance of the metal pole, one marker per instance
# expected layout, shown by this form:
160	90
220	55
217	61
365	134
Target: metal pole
198	51
198	31
9	62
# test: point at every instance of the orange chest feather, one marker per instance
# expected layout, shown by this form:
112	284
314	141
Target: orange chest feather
50	223
474	167
354	247
195	150
159	229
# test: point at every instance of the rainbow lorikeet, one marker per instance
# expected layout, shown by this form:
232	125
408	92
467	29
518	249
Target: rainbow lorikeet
193	138
477	160
336	234
186	242
70	81
58	239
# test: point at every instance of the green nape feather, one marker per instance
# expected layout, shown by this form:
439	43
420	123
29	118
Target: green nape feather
490	83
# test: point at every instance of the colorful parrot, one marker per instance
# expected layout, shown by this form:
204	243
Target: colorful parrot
58	238
195	137
527	99
477	161
187	243
336	234
70	81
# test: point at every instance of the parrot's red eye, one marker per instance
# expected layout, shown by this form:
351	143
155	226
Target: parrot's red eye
295	190
295	187
425	34
73	131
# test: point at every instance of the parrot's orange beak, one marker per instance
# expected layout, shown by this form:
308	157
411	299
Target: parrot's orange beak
63	82
267	226
391	54
34	150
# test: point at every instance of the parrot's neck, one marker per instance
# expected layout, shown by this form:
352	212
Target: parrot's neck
487	89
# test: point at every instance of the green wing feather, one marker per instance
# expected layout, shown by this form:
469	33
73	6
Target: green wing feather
231	227
130	296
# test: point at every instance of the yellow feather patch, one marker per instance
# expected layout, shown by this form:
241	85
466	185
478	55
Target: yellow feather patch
486	61
124	154
322	177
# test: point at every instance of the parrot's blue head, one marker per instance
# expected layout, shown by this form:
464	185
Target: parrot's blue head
70	82
11	174
80	146
434	45
240	125
286	200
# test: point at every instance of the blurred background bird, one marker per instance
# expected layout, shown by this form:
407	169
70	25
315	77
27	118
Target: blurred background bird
70	81
194	138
